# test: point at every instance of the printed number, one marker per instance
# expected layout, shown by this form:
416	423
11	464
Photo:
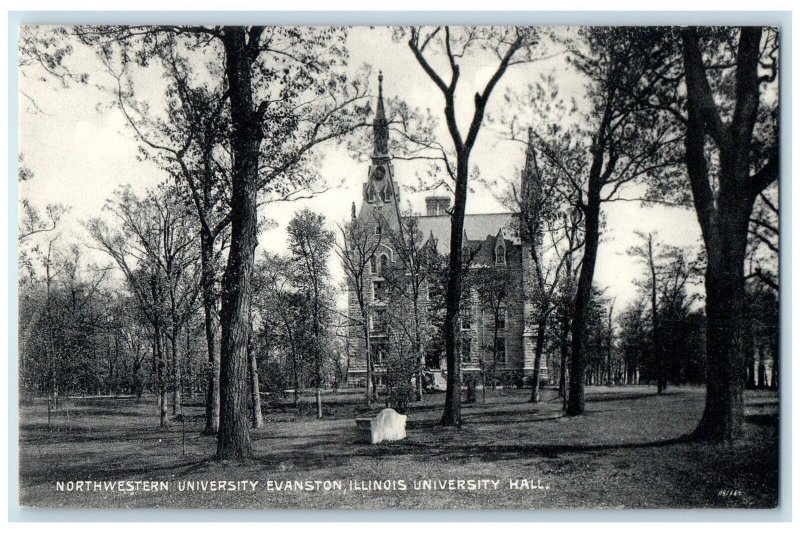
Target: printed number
729	493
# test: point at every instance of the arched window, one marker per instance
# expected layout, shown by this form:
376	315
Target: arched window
500	255
384	263
373	265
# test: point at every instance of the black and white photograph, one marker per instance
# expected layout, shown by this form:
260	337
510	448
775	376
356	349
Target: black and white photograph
437	267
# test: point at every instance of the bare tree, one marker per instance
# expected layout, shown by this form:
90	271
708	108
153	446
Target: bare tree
510	46
153	247
356	250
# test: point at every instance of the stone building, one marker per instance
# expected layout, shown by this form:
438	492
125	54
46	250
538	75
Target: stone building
492	244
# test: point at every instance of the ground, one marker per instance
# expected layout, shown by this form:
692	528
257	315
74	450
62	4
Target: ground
626	452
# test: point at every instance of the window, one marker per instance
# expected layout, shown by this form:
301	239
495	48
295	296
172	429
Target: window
379	353
373	265
500	255
384	263
370	194
466	349
383	195
378	291
379	230
501	319
466	317
501	350
432	358
379	322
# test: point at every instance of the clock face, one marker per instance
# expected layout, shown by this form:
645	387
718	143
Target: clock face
379	173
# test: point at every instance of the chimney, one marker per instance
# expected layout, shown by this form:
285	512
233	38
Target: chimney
437	205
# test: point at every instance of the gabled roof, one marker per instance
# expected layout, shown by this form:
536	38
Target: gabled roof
478	227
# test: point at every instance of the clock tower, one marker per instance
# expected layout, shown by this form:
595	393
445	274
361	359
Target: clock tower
380	201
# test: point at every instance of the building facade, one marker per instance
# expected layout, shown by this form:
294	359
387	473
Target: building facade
497	333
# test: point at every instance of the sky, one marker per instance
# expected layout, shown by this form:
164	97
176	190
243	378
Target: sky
80	150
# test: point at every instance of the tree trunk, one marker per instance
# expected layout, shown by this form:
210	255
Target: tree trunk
452	400
537	360
723	417
749	349
233	437
420	352
255	391
724	218
207	282
368	358
161	378
576	403
176	369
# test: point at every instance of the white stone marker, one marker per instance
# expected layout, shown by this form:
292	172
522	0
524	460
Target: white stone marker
388	425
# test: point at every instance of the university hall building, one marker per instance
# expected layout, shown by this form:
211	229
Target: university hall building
491	241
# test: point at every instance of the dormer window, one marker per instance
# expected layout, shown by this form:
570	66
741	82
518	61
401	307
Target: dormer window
500	256
371	194
378	230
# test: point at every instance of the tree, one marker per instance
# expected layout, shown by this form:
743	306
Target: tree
719	86
616	143
541	203
310	245
356	250
493	288
510	45
635	338
285	325
153	247
409	277
743	134
647	253
284	97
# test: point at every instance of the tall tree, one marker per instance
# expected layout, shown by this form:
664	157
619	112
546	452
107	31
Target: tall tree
616	143
647	253
720	87
152	244
550	237
284	97
510	46
408	277
356	250
745	145
310	244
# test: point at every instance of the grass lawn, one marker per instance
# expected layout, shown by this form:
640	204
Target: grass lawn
626	452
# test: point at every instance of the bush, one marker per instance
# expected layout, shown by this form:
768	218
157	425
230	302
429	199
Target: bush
513	378
400	396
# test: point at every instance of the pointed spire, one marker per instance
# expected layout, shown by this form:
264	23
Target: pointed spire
531	179
531	165
380	126
353	211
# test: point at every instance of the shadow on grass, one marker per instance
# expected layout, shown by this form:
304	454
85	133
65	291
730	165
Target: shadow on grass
769	419
304	458
108	472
